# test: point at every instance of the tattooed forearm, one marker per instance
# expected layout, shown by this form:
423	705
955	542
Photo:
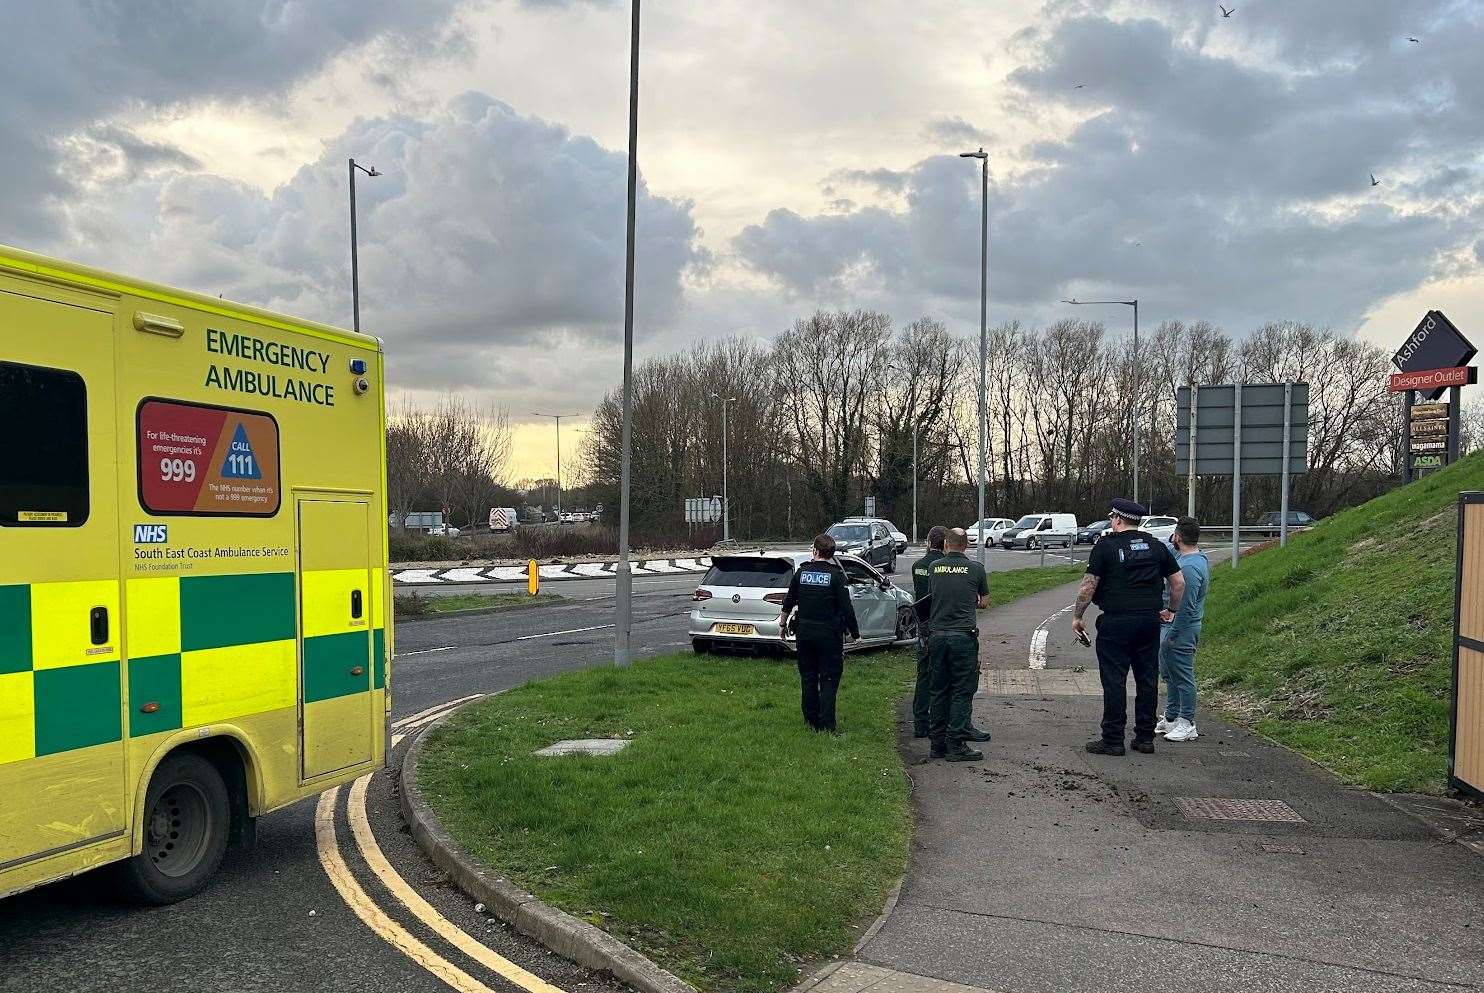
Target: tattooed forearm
1084	595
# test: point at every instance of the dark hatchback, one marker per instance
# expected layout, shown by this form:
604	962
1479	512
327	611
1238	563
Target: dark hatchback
1091	533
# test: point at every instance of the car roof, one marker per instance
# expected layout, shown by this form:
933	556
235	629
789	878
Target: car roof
795	558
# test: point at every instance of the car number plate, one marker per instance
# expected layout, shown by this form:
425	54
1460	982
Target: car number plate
733	629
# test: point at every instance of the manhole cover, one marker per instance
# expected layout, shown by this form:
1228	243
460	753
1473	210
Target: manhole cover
1218	808
586	746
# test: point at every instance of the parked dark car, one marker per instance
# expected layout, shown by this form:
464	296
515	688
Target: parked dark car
871	542
1273	522
1091	533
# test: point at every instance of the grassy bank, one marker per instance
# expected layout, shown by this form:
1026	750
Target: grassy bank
411	605
1339	644
727	842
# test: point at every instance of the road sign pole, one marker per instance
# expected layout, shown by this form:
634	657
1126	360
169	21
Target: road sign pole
1190	468
1408	399
1283	497
1455	400
1237	476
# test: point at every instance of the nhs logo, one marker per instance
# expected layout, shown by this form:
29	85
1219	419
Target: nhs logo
151	534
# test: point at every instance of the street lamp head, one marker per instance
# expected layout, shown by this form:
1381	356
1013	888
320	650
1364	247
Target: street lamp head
1074	301
981	154
372	172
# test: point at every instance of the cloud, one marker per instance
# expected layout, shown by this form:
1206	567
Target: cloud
73	64
954	131
1210	186
489	237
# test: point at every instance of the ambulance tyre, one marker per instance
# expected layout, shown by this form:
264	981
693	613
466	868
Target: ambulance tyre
186	820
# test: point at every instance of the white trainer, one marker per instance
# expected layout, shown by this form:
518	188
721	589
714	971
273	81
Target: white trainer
1163	726
1183	730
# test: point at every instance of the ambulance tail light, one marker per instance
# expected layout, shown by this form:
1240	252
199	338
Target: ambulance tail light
701	593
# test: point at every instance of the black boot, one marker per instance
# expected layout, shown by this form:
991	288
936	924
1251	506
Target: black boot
938	749
920	731
1147	747
974	734
959	752
1100	747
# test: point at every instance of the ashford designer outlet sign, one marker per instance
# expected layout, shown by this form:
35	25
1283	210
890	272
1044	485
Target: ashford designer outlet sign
1434	360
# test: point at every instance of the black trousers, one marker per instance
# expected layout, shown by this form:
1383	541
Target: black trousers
955	659
821	664
922	696
1129	642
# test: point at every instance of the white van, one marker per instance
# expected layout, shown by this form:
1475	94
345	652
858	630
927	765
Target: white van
504	519
1036	530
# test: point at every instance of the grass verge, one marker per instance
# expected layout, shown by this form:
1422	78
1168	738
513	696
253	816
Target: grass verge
412	605
1339	644
728	842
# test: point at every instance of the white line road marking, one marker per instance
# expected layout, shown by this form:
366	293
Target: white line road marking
422	651
435	709
370	914
360	827
553	634
463	576
594	570
1038	639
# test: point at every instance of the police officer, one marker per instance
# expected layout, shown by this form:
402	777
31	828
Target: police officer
825	615
958	588
922	696
1125	577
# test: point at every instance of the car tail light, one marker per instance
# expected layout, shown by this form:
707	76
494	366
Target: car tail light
701	594
775	597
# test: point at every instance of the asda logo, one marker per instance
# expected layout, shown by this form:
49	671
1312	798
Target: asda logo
151	534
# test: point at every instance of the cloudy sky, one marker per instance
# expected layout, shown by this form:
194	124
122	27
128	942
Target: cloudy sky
793	155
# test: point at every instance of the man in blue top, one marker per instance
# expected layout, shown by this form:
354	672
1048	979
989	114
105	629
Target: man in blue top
1181	631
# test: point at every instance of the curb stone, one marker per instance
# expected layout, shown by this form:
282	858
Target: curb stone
559	931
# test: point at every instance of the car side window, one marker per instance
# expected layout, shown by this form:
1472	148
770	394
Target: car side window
1045	525
857	572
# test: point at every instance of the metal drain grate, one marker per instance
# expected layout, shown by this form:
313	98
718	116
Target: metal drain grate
1218	808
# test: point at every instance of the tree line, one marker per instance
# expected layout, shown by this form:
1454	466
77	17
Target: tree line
826	415
452	458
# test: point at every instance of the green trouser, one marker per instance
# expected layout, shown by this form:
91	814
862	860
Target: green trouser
922	696
955	661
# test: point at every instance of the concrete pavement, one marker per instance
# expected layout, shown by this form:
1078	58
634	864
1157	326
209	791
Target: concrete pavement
1044	868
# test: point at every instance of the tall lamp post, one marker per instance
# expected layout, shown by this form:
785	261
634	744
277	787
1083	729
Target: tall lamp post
1134	412
623	577
355	263
558	418
726	503
983	158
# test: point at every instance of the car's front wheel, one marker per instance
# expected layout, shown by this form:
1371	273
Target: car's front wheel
906	624
700	646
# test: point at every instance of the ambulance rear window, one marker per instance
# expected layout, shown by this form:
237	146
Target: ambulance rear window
43	447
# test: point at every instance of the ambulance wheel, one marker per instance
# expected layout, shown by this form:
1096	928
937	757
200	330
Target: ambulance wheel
186	821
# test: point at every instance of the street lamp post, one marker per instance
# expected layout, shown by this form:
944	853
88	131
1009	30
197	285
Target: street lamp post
624	580
355	263
726	503
1134	411
558	418
983	158
915	426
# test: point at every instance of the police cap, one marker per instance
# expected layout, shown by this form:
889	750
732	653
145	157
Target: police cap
1128	510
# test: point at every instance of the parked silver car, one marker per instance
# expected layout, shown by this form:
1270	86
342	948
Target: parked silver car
739	599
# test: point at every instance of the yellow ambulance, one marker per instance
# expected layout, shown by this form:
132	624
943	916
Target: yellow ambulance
193	588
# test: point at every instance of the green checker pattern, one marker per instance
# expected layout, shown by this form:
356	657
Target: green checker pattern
80	706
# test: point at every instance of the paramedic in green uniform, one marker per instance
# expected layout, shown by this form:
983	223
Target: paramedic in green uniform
959	588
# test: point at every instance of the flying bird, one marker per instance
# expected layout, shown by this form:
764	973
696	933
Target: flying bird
1374	180
1079	86
1415	41
1225	12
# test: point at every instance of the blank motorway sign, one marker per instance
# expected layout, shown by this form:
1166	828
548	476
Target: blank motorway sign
1262	430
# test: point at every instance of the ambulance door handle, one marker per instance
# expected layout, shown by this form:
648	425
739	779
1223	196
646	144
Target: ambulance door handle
98	621
355	605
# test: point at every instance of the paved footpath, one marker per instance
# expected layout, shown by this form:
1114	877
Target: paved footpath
1044	868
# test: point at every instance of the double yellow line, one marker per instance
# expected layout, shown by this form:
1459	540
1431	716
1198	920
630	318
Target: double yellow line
375	918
